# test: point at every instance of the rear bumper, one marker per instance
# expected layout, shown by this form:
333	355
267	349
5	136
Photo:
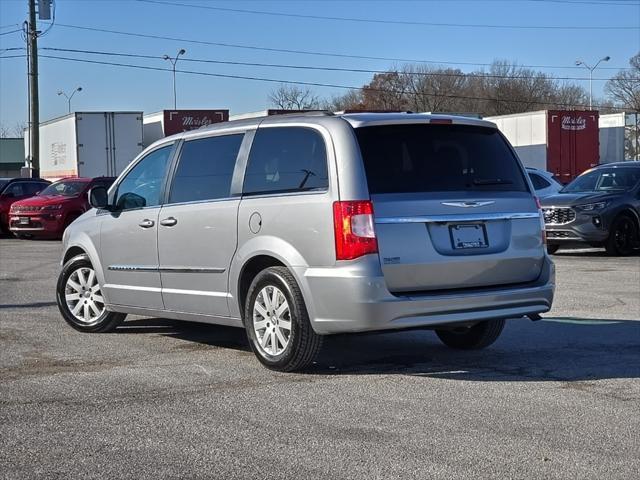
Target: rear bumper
354	298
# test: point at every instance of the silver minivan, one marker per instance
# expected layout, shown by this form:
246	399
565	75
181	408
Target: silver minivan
299	226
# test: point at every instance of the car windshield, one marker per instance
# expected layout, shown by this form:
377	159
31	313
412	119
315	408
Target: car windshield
604	180
65	188
3	183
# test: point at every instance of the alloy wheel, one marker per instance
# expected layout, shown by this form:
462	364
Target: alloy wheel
83	296
623	235
271	320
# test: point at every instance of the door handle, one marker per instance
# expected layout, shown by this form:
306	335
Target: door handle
168	222
146	223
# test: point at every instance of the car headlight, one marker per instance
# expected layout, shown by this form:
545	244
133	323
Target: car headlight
590	207
48	208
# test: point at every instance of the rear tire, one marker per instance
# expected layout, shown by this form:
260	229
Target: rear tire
479	336
277	322
622	236
80	299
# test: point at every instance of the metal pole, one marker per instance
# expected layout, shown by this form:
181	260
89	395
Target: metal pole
34	111
590	88
69	104
175	102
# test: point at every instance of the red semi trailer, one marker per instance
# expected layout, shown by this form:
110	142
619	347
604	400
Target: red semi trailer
167	122
563	142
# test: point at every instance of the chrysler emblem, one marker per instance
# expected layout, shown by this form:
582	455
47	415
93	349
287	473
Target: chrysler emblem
467	204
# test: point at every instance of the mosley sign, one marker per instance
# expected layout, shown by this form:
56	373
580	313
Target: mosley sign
176	121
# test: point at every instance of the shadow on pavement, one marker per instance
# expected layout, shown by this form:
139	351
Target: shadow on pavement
555	349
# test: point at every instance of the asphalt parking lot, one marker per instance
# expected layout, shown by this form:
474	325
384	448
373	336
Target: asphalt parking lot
558	398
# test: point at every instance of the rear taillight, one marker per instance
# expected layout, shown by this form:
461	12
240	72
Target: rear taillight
354	232
542	224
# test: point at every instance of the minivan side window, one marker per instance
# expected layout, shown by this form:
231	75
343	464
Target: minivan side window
286	159
142	186
205	169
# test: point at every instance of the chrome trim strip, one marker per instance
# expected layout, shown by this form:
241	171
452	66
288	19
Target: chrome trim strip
133	268
145	268
473	217
180	291
192	270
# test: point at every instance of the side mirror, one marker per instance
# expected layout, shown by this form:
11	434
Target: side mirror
98	197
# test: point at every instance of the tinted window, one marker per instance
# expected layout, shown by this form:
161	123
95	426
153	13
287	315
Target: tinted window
538	182
16	189
205	169
286	159
143	184
65	188
605	179
31	188
431	158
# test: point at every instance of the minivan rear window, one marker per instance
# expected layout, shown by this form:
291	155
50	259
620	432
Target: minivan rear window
431	158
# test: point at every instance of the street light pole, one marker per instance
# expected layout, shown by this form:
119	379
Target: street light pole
591	69
173	61
69	97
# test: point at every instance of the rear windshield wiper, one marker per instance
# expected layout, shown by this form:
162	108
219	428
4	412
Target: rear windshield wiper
491	181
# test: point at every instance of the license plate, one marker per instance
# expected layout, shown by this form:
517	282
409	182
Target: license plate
468	236
23	220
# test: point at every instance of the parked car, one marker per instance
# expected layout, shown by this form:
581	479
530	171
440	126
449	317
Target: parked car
295	227
14	189
54	208
601	208
544	183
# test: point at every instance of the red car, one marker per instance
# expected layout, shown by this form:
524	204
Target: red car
14	189
54	208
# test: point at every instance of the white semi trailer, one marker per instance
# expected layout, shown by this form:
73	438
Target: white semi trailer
88	144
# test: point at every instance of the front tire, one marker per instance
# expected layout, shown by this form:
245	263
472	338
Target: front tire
80	299
551	249
622	236
479	336
277	322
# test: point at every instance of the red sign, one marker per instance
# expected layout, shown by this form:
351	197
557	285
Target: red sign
176	121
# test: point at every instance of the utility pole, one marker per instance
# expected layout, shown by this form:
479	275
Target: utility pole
34	110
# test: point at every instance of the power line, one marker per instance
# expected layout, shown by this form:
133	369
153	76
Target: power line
302	52
313	84
330	69
390	22
10	31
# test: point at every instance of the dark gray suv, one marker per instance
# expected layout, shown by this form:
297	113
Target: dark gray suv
601	207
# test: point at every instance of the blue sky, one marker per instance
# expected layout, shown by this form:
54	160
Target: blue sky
113	88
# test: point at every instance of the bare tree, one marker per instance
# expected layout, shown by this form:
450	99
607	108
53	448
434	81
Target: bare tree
503	89
292	97
16	132
624	88
19	128
352	100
